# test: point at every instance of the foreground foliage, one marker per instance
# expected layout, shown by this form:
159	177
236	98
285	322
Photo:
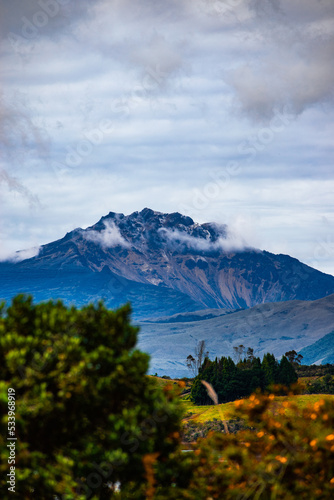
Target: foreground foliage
289	455
91	425
193	430
86	414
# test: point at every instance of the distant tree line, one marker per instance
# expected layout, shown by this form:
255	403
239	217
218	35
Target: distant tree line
315	370
233	381
322	385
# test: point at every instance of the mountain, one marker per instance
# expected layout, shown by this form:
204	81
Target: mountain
81	286
321	352
305	326
164	264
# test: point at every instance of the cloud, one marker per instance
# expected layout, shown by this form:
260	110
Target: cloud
293	59
159	59
19	132
22	254
231	241
177	238
31	19
21	140
14	184
295	81
109	237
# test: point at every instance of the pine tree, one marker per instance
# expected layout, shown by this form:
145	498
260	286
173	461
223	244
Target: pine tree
286	373
270	369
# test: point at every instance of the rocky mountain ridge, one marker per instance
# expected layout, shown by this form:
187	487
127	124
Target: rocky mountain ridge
165	258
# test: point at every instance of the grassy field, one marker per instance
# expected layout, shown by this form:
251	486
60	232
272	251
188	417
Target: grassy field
310	379
204	413
163	381
226	411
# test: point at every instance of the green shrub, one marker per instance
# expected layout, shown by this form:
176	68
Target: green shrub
86	413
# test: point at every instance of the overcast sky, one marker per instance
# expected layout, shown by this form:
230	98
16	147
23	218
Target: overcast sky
221	110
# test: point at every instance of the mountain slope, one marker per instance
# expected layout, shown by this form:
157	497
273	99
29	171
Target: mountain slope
80	286
167	258
272	327
321	352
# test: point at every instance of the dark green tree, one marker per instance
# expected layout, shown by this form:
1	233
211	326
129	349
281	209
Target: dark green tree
286	373
270	369
87	415
256	376
250	354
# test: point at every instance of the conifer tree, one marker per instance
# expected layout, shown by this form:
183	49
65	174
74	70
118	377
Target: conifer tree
286	373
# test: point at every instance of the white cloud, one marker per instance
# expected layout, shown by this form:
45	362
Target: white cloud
22	254
176	238
20	134
109	237
293	61
233	241
14	184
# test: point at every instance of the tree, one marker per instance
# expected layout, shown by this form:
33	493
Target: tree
250	354
191	364
87	416
239	352
286	373
256	376
294	358
270	369
195	363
